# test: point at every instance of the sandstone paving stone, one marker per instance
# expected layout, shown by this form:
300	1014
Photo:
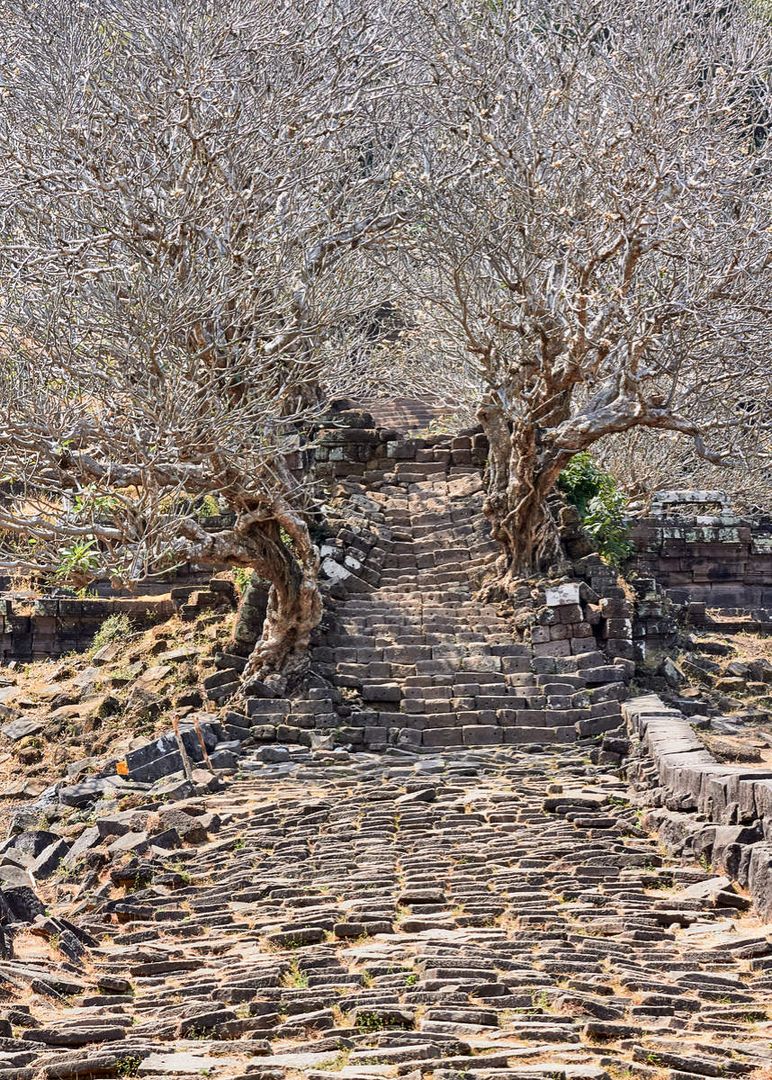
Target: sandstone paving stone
184	1062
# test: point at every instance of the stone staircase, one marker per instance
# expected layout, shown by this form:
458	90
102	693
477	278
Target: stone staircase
476	901
416	661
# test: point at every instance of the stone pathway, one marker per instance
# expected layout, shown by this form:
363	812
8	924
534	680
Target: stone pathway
476	901
490	914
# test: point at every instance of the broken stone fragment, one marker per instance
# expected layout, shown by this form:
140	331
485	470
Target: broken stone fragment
257	688
190	829
672	673
567	593
66	941
85	793
709	889
8	692
218	679
30	843
272	755
17	897
87	840
204	781
123	822
48	861
171	790
108	653
134	842
88	711
176	656
20	729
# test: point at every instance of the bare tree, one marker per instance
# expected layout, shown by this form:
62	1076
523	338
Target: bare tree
185	205
405	363
593	195
645	461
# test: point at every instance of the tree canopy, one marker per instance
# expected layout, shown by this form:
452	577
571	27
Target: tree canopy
206	209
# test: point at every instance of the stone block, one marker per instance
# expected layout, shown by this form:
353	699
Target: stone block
568	613
760	878
447	736
526	735
481	735
406	737
597	725
88	839
48	860
620	647
567	593
552	648
530	717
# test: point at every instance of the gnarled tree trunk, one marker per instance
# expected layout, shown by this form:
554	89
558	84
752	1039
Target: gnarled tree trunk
291	564
521	474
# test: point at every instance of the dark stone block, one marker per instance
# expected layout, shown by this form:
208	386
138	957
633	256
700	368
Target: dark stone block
21	902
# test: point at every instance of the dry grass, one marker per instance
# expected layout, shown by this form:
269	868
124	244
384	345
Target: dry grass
42	758
752	647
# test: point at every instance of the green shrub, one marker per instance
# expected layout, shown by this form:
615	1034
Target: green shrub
88	504
80	559
207	507
601	505
113	628
127	1066
243	575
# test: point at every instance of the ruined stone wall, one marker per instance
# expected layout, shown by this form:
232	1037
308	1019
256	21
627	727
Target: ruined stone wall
34	629
707	571
701	808
721	562
50	627
351	447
